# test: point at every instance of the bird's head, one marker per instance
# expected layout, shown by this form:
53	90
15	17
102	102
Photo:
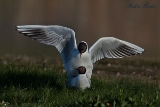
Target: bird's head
82	47
81	70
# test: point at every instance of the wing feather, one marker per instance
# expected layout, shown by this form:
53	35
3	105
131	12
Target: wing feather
111	47
62	38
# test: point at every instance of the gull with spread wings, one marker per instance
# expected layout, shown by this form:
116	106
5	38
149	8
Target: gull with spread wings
78	61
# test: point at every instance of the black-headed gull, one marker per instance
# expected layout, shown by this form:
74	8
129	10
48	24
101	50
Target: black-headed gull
78	62
80	81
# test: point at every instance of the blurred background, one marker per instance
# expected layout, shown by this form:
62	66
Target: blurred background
90	20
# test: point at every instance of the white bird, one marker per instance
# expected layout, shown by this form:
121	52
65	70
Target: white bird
78	62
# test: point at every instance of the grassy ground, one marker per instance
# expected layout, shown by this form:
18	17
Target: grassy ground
30	82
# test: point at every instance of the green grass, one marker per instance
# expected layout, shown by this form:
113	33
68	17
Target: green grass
35	85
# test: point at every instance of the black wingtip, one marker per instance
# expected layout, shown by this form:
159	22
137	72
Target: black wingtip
143	52
16	28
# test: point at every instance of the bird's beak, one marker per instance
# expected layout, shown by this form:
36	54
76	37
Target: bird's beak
80	55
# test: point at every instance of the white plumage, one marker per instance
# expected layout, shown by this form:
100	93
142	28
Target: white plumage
63	39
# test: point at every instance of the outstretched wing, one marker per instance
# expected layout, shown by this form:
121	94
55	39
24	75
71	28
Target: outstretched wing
111	47
62	38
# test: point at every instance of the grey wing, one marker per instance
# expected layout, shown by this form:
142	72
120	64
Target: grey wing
62	38
111	47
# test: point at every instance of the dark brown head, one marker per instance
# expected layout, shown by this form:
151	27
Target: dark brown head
81	70
82	47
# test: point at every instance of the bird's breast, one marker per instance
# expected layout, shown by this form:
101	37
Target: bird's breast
84	60
80	82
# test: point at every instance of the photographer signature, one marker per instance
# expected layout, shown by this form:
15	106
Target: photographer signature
146	5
